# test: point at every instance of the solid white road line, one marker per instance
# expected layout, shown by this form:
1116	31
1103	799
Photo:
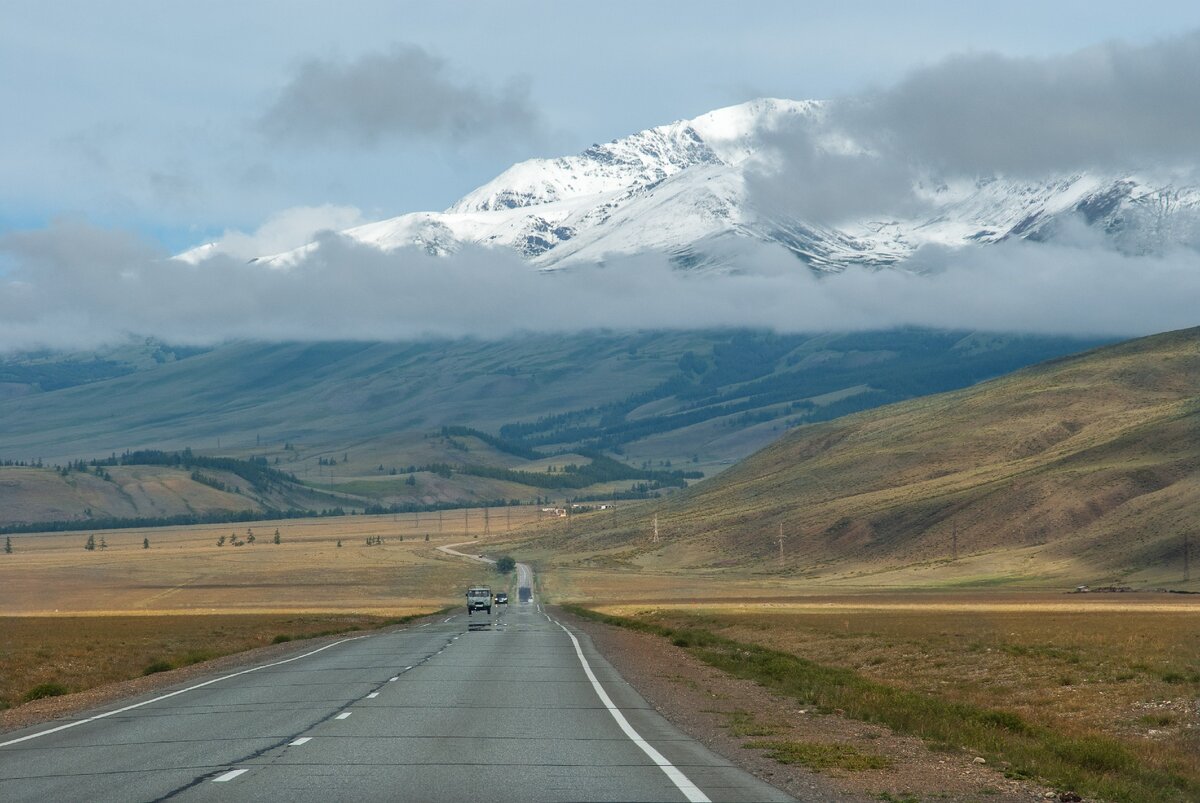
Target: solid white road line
300	741
173	694
343	715
681	781
228	776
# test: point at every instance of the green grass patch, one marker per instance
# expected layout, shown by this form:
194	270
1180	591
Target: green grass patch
743	723
154	667
822	755
44	690
1094	765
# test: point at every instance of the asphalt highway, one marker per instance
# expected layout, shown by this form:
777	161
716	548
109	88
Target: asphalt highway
512	706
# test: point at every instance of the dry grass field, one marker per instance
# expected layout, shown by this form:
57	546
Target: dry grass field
1117	673
80	618
44	656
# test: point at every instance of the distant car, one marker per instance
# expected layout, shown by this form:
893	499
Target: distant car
501	597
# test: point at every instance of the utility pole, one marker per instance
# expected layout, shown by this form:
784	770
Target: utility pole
508	518
781	542
466	520
1187	557
487	522
654	539
439	521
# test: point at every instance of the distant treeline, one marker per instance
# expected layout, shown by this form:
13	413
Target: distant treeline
499	444
600	469
418	507
182	519
255	471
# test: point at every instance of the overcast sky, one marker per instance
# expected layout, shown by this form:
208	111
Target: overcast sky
133	130
180	121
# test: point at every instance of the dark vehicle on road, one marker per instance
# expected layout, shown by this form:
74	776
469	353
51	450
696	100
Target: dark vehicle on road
479	598
525	594
501	597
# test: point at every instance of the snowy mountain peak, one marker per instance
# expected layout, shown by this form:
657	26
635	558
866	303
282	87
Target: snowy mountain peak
725	136
682	190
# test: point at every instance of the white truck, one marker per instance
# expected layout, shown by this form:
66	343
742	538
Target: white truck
479	598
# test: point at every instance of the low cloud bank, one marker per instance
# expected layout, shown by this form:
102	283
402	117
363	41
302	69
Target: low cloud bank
74	286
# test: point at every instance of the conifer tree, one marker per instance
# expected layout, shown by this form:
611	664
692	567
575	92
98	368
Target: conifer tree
8	545
145	543
91	543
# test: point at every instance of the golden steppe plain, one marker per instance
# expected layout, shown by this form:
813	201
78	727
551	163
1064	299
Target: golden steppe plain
74	618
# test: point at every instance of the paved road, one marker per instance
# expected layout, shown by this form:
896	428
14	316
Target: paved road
487	708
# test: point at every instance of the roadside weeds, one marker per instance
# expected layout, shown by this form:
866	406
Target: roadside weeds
1016	753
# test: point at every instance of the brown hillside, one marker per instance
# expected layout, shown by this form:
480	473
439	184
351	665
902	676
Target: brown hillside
1084	469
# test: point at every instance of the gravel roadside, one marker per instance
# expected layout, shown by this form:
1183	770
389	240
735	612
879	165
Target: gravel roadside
725	713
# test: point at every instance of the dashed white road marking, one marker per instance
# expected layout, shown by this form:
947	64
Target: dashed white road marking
300	741
228	776
173	694
681	781
393	680
344	715
372	695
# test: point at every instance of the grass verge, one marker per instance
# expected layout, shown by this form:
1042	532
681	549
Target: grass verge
822	755
50	656
1094	765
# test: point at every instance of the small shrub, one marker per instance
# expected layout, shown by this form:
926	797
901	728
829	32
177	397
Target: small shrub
45	690
154	667
197	656
281	638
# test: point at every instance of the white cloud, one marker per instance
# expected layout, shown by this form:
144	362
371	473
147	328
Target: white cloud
281	232
73	285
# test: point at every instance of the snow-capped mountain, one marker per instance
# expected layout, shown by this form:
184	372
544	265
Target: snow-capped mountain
684	190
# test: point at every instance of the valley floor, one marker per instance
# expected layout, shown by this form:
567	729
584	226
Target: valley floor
1116	676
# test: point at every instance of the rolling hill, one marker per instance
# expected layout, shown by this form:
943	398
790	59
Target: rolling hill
1084	469
364	421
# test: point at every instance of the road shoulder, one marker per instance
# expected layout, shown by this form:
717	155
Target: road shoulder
724	713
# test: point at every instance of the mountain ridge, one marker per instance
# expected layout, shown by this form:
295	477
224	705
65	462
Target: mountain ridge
683	191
